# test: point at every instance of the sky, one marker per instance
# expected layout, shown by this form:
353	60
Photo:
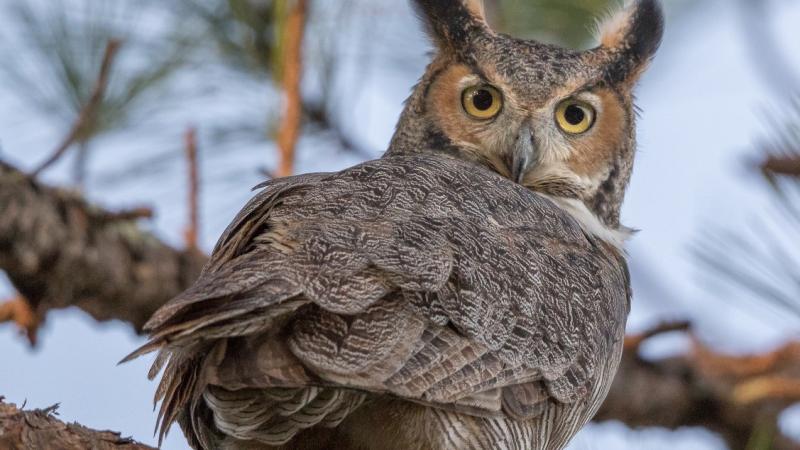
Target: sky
703	107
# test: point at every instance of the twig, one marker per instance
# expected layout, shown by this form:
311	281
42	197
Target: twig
88	111
142	212
747	366
766	388
19	311
266	173
51	410
318	116
41	428
634	341
781	165
289	130
191	234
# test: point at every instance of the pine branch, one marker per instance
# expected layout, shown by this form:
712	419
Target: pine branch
40	429
739	397
192	232
60	251
787	165
289	131
88	113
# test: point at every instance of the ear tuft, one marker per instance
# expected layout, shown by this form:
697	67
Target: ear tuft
634	34
613	29
452	24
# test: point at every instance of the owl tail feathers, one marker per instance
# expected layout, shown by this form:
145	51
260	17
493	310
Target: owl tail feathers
181	389
149	347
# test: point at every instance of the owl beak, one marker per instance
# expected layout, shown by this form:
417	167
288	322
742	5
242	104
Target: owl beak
523	155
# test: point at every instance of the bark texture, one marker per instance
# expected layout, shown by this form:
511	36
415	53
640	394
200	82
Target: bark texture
738	397
40	429
60	251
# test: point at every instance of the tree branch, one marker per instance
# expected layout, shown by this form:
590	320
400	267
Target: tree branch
786	164
738	397
193	229
18	311
59	251
40	429
317	115
292	45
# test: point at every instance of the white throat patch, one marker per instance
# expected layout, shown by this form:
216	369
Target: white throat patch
591	224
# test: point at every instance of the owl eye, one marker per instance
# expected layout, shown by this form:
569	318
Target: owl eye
574	116
482	102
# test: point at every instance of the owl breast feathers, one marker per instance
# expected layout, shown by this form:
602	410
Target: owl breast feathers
421	288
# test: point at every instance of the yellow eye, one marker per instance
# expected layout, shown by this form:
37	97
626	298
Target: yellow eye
482	102
574	116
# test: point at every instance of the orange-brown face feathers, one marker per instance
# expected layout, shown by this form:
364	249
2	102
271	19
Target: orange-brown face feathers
558	121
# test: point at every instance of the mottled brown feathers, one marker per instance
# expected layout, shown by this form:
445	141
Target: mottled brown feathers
421	277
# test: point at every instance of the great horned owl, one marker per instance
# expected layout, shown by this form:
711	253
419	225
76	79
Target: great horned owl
467	290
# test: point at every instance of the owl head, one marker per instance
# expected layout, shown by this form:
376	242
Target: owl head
558	121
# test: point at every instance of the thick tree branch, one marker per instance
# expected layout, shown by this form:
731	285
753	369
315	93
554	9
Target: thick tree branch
59	251
41	430
739	397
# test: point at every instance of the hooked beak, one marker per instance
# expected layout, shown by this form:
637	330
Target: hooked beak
523	154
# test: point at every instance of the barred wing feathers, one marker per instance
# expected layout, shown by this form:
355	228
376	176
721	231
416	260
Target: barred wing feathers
425	278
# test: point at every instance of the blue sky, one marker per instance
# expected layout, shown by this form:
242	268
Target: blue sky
703	105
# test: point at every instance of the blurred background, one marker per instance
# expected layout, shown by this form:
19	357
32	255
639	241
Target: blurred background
124	88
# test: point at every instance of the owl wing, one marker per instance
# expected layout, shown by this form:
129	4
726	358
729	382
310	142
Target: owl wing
425	278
